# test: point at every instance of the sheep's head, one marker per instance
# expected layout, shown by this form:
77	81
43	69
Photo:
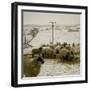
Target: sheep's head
40	60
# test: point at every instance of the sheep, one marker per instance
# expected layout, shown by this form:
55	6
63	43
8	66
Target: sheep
48	52
32	67
36	51
57	51
66	54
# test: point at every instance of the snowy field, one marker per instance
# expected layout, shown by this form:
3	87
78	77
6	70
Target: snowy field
44	37
52	68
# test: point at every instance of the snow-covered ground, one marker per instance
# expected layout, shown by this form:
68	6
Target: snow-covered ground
52	68
44	37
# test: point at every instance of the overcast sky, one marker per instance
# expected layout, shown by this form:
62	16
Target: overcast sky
40	18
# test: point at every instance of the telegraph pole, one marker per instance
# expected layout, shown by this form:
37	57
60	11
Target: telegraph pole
53	25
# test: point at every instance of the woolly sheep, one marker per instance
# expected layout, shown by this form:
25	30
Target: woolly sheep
32	67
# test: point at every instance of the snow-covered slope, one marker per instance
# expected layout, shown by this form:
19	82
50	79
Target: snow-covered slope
44	37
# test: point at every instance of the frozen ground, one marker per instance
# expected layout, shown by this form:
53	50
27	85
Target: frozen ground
52	68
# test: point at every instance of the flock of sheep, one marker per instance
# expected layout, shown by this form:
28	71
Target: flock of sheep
64	52
59	51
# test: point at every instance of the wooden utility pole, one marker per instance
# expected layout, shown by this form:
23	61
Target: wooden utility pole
53	25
